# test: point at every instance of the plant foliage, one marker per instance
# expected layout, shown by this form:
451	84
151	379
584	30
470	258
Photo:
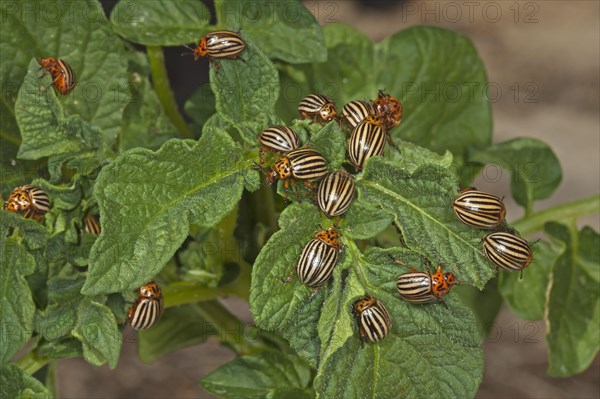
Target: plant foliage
194	214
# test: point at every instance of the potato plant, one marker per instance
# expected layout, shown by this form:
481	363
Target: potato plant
180	200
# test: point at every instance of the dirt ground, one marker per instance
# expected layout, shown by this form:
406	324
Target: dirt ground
550	50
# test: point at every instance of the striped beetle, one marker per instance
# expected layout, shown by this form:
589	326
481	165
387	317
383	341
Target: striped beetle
367	140
62	75
220	44
420	287
277	138
318	108
336	192
92	225
318	259
147	308
356	111
374	321
389	109
29	200
508	251
478	209
302	163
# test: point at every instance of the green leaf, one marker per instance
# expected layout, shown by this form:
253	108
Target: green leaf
45	128
442	84
273	303
178	328
437	75
97	330
144	123
411	156
333	325
202	260
573	315
9	130
16	172
269	374
16	304
189	183
535	170
87	44
431	351
16	383
293	88
34	234
284	30
526	297
200	106
160	23
421	204
245	89
350	71
59	318
367	220
301	332
330	142
61	349
417	329
484	304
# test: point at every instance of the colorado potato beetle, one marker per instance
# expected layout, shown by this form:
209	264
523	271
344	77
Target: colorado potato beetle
356	111
420	287
220	44
389	109
278	138
374	321
147	308
508	251
62	75
302	163
479	209
367	140
318	108
318	259
92	225
336	192
30	201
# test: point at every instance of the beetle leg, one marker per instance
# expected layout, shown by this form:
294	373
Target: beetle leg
314	292
363	334
399	262
309	185
295	190
261	155
391	142
440	300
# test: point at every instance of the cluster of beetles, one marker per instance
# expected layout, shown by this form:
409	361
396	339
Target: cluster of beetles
369	123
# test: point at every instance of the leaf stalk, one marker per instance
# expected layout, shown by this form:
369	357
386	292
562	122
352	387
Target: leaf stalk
564	213
160	79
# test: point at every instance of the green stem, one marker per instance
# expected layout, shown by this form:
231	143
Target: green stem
264	207
11	139
351	248
163	89
30	363
230	330
186	292
233	253
52	379
564	212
